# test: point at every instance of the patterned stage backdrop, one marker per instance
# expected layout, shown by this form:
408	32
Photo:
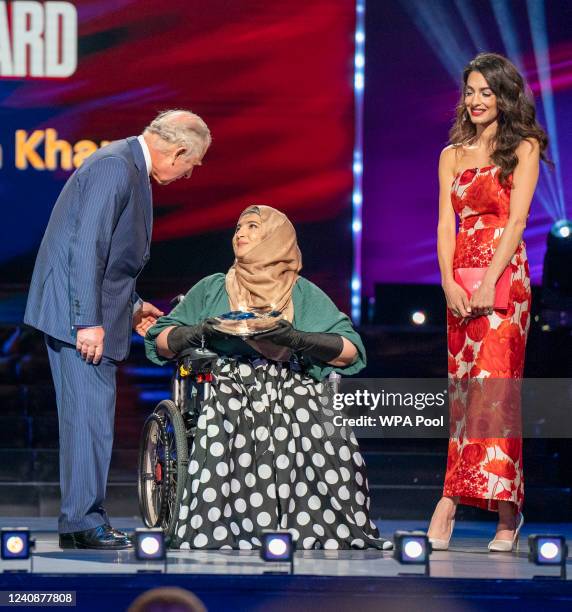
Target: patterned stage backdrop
272	79
415	53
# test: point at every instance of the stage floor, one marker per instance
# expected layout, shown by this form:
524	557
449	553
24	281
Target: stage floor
467	558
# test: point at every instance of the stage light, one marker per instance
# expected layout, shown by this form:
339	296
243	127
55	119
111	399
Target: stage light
439	25
357	195
411	547
397	303
562	229
418	317
356	284
470	17
278	546
150	544
413	550
549	550
539	33
556	296
16	543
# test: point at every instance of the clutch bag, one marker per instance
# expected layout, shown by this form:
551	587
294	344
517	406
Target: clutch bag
471	278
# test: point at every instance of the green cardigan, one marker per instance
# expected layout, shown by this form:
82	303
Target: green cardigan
313	311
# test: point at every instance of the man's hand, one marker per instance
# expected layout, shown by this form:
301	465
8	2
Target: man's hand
89	342
146	317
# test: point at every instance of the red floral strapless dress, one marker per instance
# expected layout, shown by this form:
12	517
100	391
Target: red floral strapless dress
484	462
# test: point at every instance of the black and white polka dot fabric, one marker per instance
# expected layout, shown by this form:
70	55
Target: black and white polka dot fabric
267	456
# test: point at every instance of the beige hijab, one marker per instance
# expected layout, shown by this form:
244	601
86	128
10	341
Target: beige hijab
263	278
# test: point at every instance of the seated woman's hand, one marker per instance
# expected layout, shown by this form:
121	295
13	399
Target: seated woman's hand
282	335
322	346
186	336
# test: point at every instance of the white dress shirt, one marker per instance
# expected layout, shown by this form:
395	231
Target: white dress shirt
146	152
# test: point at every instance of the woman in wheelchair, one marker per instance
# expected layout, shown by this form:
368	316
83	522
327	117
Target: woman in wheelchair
265	454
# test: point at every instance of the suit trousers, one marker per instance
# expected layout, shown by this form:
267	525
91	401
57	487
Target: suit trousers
85	395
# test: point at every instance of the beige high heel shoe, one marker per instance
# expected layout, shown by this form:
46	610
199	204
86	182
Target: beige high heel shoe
437	544
508	545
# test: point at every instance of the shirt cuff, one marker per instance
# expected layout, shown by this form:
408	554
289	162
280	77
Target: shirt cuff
137	305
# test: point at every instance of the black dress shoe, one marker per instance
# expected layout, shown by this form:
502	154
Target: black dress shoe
103	537
116	532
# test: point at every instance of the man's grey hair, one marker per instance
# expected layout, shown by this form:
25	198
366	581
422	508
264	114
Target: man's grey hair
182	128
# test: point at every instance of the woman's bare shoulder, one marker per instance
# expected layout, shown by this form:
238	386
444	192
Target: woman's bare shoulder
448	158
528	146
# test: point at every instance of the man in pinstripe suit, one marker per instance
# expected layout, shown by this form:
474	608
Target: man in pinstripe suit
82	296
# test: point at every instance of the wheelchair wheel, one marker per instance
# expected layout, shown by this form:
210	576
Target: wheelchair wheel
163	463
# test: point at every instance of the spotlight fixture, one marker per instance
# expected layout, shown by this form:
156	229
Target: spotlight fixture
150	544
278	546
16	543
412	548
562	229
556	311
418	317
549	550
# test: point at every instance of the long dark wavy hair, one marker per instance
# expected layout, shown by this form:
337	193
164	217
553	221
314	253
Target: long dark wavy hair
516	113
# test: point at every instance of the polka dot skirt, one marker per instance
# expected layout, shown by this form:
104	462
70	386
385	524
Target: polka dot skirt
266	455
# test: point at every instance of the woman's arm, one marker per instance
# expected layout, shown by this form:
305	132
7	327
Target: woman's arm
175	339
348	355
161	343
328	347
189	312
455	295
525	177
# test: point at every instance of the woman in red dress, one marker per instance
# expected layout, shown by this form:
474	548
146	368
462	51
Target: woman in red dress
487	176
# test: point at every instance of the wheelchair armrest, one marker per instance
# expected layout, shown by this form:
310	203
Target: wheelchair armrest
197	359
334	380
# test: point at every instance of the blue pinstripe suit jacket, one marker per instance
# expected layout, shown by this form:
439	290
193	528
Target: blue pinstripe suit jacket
96	244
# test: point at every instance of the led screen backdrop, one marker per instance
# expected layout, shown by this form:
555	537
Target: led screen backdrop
415	52
273	80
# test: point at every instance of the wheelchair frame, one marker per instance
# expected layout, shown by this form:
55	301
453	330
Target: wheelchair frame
166	440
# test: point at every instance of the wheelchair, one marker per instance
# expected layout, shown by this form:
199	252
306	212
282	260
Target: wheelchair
167	437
